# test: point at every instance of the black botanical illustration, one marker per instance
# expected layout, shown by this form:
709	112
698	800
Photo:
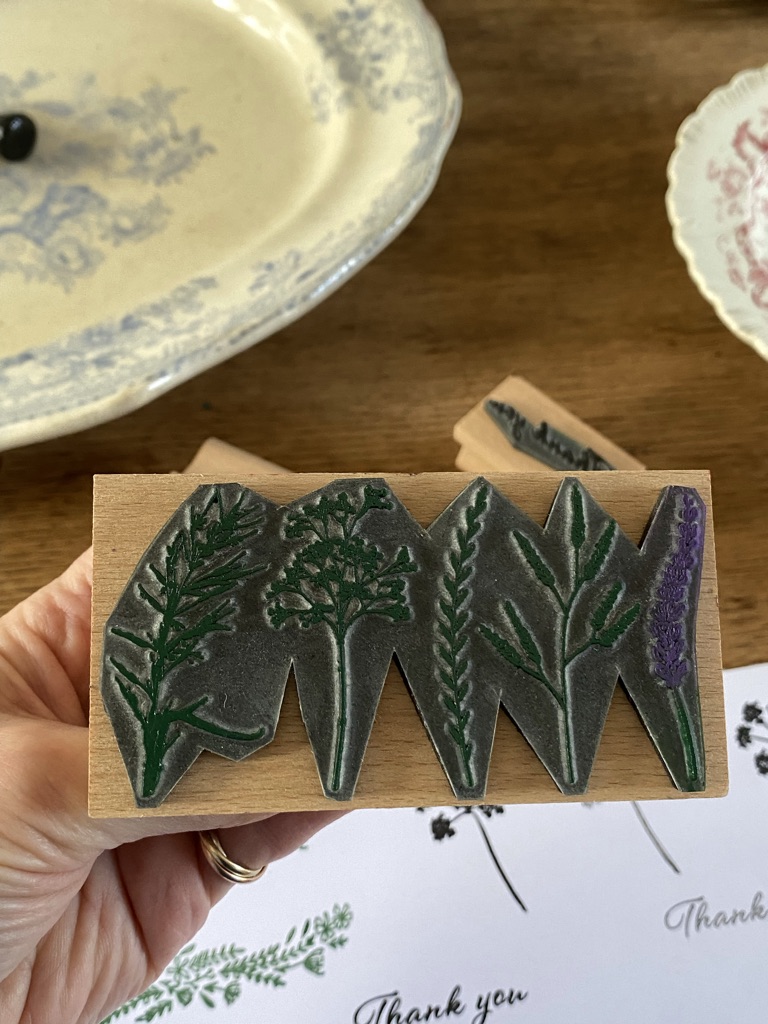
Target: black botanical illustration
747	733
608	623
209	977
651	833
189	600
654	838
453	624
444	827
337	578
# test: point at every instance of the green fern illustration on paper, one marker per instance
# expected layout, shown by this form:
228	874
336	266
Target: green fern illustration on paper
453	632
335	580
524	651
213	977
189	601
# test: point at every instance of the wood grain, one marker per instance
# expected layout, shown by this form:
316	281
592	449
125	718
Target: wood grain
479	435
400	768
544	251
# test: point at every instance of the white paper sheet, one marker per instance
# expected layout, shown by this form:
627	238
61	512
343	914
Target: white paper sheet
626	921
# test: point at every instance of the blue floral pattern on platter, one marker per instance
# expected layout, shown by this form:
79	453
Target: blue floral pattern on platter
362	42
385	57
53	227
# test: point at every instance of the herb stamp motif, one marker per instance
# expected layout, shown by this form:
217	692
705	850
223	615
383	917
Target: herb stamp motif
214	976
189	599
443	827
672	652
336	579
607	624
452	626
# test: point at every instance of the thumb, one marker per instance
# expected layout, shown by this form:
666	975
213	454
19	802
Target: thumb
44	762
45	793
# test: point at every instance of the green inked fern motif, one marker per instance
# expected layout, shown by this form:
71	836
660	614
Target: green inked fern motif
188	602
335	580
210	976
452	625
524	652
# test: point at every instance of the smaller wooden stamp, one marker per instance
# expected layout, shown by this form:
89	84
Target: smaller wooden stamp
218	457
518	428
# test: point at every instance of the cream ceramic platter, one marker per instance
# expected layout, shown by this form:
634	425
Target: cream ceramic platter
206	172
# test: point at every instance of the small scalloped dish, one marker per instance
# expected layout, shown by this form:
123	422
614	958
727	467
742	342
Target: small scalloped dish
717	203
206	172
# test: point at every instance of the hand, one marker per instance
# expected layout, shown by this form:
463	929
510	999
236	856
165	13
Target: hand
90	911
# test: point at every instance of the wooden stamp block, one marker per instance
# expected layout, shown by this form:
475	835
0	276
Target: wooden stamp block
519	428
398	765
218	457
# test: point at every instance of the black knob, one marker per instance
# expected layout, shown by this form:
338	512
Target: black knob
18	135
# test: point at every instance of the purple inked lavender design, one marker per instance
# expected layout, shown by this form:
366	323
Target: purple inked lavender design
674	595
678	590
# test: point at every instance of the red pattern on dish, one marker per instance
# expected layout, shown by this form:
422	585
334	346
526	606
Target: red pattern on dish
742	208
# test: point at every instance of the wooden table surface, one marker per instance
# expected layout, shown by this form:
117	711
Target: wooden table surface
544	251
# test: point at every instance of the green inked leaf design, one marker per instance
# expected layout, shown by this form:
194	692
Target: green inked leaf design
615	631
541	570
599	552
451	624
137	641
210	975
578	524
504	647
337	578
605	607
528	644
204	561
131	700
526	654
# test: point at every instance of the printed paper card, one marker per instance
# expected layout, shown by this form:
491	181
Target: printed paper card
545	914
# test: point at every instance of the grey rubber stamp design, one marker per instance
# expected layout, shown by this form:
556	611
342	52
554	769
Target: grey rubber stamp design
558	631
545	621
453	675
542	441
485	609
342	585
658	663
170	641
452	628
